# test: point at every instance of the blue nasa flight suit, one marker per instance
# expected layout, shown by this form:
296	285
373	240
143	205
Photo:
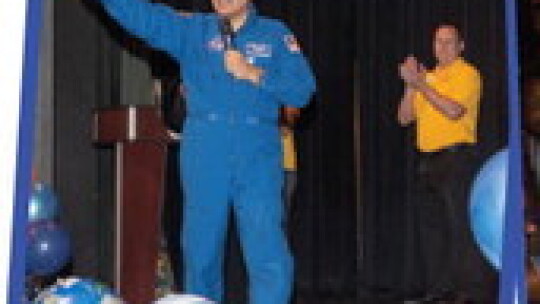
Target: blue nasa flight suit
231	150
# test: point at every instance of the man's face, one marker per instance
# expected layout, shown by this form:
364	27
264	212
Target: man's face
447	44
230	8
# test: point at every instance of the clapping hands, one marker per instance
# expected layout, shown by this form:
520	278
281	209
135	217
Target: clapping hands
412	72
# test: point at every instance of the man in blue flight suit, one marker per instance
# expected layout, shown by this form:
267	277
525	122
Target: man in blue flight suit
231	153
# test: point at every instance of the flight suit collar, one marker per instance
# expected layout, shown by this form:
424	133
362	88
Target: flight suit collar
250	21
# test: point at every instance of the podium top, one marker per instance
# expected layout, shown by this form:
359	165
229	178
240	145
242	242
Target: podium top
129	124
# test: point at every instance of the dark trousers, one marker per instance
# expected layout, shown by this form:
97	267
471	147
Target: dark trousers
452	260
289	189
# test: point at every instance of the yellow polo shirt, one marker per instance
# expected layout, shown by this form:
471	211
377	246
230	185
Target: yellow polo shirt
462	83
289	151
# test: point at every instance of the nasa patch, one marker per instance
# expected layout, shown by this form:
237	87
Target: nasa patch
254	49
292	44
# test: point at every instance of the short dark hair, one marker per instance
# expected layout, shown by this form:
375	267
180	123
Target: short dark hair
450	24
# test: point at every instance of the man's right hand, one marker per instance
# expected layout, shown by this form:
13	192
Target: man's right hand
412	72
408	70
407	67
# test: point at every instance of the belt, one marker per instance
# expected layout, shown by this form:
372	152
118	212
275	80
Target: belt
449	149
232	118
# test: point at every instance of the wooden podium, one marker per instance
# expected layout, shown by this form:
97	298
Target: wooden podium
140	141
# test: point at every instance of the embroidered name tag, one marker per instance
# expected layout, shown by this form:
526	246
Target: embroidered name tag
254	50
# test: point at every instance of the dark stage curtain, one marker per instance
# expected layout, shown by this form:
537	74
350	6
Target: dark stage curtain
86	76
388	31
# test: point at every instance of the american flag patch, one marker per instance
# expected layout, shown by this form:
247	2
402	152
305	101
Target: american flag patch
292	43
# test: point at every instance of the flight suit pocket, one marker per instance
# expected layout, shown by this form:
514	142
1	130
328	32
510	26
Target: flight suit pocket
189	159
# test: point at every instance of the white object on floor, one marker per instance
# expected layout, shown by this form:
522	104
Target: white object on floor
182	299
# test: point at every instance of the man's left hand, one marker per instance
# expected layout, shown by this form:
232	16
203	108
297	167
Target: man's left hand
237	65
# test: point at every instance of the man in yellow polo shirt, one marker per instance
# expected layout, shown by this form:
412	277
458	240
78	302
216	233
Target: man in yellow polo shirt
444	103
289	116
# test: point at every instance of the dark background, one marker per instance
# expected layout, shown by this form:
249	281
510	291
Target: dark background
351	232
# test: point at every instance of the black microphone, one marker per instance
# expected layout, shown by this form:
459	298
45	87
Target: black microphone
227	32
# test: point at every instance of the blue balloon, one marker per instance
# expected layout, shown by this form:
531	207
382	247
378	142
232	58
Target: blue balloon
43	204
488	200
47	248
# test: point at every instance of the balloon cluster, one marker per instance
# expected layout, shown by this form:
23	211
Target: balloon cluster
47	243
77	290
